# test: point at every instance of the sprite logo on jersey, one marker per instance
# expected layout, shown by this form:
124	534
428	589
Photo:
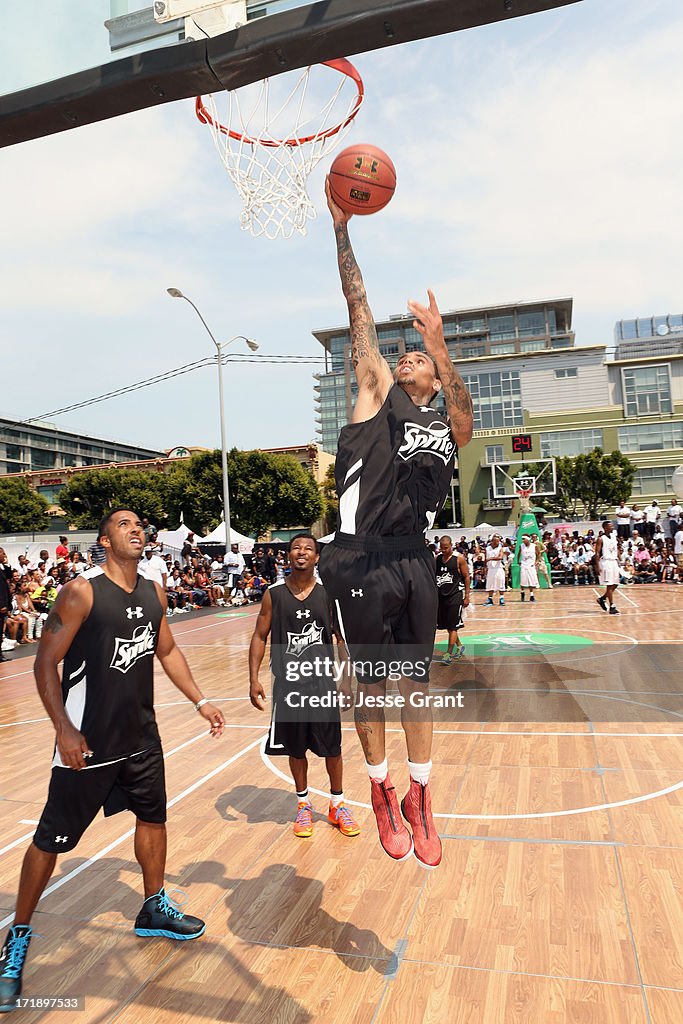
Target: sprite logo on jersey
297	643
436	438
129	650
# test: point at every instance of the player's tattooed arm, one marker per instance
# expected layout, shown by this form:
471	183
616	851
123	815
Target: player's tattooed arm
372	370
53	623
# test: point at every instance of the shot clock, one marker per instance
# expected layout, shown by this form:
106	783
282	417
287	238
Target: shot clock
521	444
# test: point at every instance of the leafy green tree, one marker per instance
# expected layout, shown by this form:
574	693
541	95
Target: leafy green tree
88	495
21	509
602	480
195	491
266	490
328	490
588	484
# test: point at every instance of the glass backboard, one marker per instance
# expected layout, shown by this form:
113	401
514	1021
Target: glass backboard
71	62
67	36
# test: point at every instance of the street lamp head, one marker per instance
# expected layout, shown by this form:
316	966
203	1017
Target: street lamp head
253	345
175	293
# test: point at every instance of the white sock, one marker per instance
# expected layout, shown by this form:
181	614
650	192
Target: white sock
378	772
420	772
336	799
302	797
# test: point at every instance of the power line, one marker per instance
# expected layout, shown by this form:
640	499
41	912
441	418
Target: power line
177	372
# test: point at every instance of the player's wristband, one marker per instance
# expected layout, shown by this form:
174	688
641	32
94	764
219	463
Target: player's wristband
201	703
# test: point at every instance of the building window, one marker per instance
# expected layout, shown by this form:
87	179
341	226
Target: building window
532	346
475	324
651	437
560	343
652	480
501	350
647	390
501	327
473	351
497	399
42	459
569	442
531	323
13	451
494	453
566	371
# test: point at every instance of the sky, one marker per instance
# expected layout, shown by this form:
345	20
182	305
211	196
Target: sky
536	159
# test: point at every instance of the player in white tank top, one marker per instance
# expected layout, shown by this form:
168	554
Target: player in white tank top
607	557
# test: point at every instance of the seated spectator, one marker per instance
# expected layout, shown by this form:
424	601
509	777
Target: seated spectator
45	595
77	565
645	571
175	593
23	608
219	581
200	589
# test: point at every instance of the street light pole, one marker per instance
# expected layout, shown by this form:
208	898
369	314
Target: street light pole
177	294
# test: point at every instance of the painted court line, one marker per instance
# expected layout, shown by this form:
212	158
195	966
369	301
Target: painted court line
491	817
117	842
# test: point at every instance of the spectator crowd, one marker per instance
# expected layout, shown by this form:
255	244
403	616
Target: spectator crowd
650	550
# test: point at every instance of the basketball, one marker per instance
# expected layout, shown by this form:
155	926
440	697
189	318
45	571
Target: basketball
362	179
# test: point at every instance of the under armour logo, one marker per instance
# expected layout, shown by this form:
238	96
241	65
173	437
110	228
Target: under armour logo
134	613
303	615
61	839
356	593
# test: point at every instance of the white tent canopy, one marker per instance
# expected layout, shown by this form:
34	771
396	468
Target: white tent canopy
246	544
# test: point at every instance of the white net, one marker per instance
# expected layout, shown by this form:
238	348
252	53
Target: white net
270	140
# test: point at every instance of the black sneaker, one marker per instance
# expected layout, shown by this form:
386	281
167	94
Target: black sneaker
613	610
602	603
160	917
12	957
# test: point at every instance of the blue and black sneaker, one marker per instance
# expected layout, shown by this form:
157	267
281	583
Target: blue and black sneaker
12	957
160	916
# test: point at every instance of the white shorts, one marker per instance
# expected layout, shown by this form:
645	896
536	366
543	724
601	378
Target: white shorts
609	572
528	577
495	578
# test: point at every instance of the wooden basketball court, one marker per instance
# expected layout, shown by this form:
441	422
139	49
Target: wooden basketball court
560	894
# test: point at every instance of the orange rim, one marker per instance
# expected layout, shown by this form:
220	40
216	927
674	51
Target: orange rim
342	65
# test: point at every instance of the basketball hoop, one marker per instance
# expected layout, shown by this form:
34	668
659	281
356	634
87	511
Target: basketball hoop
524	498
270	149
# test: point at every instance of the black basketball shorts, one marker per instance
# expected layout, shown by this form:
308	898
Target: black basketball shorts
74	798
294	730
450	613
383	590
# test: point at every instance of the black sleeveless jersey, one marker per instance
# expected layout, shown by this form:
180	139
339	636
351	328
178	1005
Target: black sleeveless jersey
301	631
393	471
449	581
107	677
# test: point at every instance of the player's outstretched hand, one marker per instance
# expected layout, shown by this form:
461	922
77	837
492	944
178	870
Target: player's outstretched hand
339	216
214	716
429	323
73	747
257	695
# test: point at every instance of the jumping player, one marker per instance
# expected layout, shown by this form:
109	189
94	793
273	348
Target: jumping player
393	469
453	585
108	755
296	611
607	561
